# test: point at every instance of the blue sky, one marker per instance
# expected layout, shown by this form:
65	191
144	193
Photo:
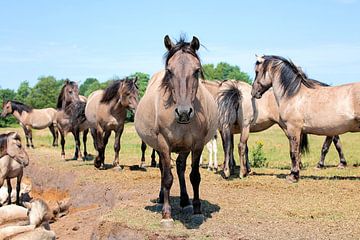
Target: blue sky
80	39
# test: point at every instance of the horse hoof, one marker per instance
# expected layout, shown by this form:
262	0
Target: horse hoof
227	173
63	157
319	167
341	165
167	223
188	210
142	165
243	174
292	179
118	168
197	219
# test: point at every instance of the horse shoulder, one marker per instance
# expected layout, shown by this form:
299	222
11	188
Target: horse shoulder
92	105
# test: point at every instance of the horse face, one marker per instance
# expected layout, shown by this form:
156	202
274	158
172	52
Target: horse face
7	109
71	92
262	80
16	150
129	94
183	71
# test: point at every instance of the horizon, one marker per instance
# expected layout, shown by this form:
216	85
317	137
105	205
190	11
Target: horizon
83	39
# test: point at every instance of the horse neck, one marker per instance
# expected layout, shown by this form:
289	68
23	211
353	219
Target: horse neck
20	117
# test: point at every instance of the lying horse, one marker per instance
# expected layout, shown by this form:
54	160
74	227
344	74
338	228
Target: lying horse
306	105
13	158
32	118
177	114
37	228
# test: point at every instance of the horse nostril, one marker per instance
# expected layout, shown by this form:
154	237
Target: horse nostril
177	111
190	111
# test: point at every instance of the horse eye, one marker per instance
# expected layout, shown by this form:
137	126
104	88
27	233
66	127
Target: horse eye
197	73
168	72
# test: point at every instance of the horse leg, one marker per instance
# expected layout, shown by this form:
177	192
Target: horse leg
8	182
337	143
30	136
26	135
62	142
214	147
209	148
143	150
52	130
166	180
94	136
324	151
294	136
98	142
242	151
153	156
85	133
180	169
247	159
117	145
226	136
231	156
76	134
195	179
18	183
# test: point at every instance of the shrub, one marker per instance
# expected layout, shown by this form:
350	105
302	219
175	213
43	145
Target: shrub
258	159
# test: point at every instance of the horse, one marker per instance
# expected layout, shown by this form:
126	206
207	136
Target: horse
106	111
37	227
260	115
32	118
299	98
71	117
177	114
13	158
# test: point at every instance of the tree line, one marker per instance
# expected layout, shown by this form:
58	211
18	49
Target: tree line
45	92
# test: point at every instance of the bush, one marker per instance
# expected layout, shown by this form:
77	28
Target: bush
258	159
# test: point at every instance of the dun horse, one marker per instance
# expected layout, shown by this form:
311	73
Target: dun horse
177	114
258	114
299	98
13	158
106	111
71	117
32	118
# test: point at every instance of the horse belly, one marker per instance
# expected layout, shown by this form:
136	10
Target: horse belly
333	128
40	121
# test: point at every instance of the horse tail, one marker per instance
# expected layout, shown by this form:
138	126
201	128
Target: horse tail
228	101
304	144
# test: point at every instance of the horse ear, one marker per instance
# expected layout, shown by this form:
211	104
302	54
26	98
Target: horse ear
195	43
168	43
136	79
259	59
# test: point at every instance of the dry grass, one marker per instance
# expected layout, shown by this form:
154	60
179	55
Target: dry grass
325	204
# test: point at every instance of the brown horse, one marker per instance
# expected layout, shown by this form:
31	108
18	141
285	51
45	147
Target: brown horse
13	158
299	98
32	118
106	111
177	114
71	117
264	113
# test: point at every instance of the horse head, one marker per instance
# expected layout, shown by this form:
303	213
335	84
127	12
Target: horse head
182	73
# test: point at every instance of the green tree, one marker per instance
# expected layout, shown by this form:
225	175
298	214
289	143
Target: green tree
23	92
7	94
89	84
223	71
143	79
45	93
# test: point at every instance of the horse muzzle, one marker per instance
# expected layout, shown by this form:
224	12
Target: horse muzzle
183	115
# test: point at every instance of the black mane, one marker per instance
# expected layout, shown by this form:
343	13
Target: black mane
111	92
61	95
20	107
181	45
291	76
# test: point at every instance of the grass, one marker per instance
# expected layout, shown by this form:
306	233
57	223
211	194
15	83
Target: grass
323	205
